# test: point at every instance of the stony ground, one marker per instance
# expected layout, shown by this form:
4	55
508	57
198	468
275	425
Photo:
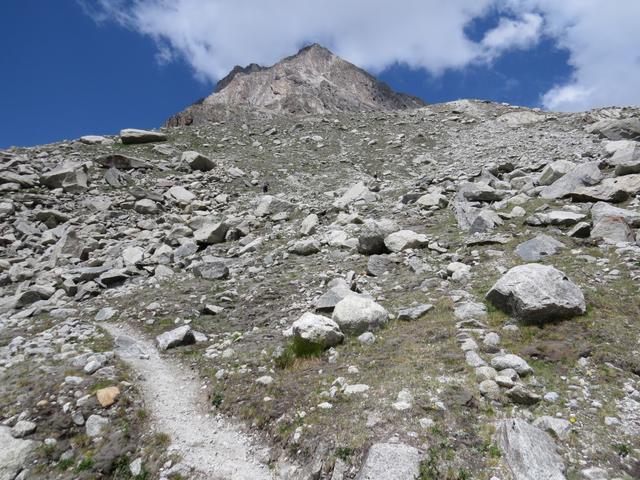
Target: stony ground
396	226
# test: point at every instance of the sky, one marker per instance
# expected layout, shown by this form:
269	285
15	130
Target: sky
77	67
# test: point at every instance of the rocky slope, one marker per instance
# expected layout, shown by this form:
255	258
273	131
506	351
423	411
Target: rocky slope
448	292
313	81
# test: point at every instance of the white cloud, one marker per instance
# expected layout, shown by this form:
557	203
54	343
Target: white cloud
602	39
509	34
215	35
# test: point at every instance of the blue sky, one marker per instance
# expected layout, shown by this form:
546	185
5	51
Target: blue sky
77	67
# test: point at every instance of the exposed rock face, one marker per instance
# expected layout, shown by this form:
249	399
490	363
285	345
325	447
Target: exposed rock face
314	81
529	452
13	454
390	461
537	293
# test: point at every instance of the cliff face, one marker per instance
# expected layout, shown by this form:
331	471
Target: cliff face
314	81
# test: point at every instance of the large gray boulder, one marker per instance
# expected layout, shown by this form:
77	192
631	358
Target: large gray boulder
71	177
536	293
404	239
133	135
372	235
528	452
603	209
176	338
269	205
554	171
391	461
197	161
210	234
358	192
615	190
626	160
612	230
180	195
538	247
13	453
212	270
616	129
585	174
317	330
356	314
338	289
122	162
481	192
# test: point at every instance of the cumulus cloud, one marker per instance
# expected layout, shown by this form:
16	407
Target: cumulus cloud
215	35
212	36
601	39
512	33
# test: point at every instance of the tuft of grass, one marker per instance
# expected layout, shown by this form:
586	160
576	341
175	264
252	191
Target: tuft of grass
622	449
297	348
216	399
84	465
64	465
343	453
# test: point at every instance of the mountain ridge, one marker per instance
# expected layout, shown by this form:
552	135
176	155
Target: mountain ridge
312	81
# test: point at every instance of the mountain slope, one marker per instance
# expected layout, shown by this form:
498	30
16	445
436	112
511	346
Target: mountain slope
314	81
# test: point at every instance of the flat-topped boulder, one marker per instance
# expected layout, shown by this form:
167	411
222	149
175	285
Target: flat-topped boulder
134	135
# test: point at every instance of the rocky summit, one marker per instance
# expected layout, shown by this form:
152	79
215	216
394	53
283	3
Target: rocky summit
329	281
313	81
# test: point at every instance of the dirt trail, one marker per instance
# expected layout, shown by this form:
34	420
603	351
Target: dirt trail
215	448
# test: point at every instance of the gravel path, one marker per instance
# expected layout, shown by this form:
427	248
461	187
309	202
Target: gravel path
213	447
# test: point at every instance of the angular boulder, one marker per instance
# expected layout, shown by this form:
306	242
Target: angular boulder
481	192
626	160
356	315
211	234
180	195
177	337
403	239
603	209
372	235
612	230
338	289
270	205
616	129
554	171
215	270
536	293
614	190
585	174
122	162
358	192
197	161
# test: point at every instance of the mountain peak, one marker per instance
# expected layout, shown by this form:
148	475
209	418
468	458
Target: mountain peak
312	81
